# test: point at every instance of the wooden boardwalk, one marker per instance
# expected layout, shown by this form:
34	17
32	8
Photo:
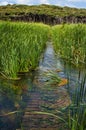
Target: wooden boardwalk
42	101
34	121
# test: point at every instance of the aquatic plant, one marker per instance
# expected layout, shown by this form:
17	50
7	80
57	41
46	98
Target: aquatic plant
70	42
20	46
54	79
77	110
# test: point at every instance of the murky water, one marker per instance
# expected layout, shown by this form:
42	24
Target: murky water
37	96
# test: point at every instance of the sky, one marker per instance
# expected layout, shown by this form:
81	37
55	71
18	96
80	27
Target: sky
70	3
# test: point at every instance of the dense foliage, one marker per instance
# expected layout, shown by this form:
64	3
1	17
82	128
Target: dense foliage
50	10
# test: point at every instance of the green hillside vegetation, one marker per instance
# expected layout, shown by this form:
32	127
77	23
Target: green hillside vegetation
51	10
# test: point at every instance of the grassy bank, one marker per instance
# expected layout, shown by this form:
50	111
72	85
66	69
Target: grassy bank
70	42
20	46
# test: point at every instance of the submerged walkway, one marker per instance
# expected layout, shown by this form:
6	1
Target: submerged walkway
45	99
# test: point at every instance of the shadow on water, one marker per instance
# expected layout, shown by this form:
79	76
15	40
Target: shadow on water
36	96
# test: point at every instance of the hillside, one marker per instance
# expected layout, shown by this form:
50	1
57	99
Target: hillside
49	14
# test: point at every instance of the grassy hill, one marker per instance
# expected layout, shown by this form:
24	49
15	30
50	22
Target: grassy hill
37	13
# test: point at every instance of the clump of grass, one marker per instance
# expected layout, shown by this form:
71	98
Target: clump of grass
20	46
70	42
52	78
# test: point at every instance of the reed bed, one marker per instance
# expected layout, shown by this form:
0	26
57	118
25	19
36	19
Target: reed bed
20	46
70	42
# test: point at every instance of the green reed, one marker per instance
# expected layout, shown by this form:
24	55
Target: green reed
70	42
77	111
20	46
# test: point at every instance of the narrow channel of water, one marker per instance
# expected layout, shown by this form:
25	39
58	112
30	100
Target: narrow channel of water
38	96
52	62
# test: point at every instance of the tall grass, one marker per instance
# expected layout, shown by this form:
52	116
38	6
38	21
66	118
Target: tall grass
70	42
20	46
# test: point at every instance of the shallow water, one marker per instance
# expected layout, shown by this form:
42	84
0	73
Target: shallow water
37	96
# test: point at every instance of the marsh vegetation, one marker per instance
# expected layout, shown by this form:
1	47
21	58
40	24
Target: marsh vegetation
21	48
70	42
